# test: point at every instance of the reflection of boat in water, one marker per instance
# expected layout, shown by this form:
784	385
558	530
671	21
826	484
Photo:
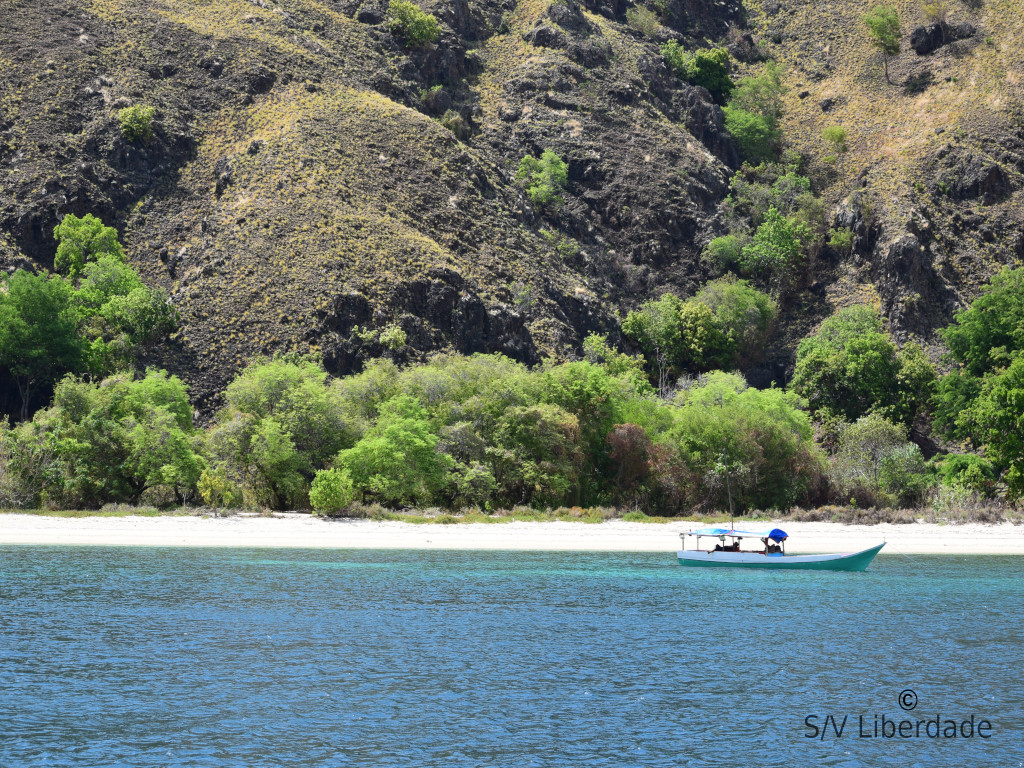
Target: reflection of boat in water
728	552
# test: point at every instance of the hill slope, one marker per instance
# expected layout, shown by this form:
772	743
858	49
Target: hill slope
311	180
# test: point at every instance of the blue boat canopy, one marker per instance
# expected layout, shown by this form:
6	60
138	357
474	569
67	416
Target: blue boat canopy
775	534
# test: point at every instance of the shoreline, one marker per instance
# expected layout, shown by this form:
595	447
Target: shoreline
302	531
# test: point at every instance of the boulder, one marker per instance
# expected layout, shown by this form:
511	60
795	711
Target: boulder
546	36
926	39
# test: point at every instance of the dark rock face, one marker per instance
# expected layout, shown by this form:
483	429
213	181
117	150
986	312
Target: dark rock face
914	297
926	39
546	36
969	175
441	311
568	15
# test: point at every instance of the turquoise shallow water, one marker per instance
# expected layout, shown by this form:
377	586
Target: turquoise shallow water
228	657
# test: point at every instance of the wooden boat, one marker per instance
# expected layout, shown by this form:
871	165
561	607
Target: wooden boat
771	553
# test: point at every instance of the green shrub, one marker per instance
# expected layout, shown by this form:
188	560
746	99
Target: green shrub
457	124
332	491
775	249
754	136
417	27
706	67
745	314
724	252
906	477
544	178
137	122
217	490
564	246
967	470
643	20
392	337
841	239
836	136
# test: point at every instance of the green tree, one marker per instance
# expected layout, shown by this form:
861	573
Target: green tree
982	398
417	27
120	315
764	435
281	422
537	457
475	484
875	462
703	343
396	461
745	315
997	419
705	67
990	333
753	112
754	135
835	135
851	367
217	490
906	476
39	340
915	383
114	440
544	178
80	240
657	329
775	249
332	491
677	336
598	351
883	23
278	472
761	94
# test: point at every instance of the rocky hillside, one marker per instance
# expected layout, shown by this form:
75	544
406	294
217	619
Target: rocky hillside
933	179
312	180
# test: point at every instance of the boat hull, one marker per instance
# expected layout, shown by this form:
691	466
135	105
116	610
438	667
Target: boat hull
853	561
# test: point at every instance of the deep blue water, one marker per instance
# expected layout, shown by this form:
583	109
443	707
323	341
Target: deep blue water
229	657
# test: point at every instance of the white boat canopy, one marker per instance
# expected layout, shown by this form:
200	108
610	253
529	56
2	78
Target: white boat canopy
774	534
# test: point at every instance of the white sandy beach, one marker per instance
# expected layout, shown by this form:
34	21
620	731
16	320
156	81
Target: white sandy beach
299	530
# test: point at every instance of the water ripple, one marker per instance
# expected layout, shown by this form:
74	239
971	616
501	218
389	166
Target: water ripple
179	657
